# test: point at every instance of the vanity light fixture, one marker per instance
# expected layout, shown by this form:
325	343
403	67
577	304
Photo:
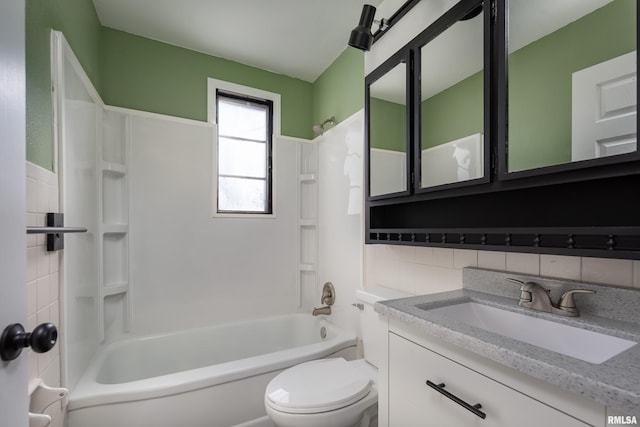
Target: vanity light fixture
361	36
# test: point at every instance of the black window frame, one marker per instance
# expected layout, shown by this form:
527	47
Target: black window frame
268	106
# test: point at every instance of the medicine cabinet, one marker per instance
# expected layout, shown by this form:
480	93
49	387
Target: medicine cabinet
518	132
388	121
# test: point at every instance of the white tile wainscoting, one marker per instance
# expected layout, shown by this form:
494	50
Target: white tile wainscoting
424	270
42	279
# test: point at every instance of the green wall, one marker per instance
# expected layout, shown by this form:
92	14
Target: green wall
454	113
78	20
339	90
540	81
388	125
139	73
539	88
134	72
148	75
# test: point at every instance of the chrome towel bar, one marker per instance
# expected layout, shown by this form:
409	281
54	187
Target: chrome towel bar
55	230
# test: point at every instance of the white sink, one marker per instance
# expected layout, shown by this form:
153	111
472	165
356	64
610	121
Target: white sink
593	347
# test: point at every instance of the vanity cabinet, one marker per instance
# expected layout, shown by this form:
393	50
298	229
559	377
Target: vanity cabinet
412	402
507	397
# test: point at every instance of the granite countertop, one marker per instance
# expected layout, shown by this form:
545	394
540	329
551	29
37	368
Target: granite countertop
615	382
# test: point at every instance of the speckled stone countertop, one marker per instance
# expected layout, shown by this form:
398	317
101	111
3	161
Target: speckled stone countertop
613	311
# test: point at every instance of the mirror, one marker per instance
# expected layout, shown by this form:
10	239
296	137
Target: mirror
572	81
387	114
452	104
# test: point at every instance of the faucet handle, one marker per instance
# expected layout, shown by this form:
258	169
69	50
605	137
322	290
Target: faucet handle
568	303
525	291
512	280
328	294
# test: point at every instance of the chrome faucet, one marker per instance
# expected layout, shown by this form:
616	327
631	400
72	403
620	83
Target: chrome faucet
536	297
328	297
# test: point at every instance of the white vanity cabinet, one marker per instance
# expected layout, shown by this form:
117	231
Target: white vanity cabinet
506	398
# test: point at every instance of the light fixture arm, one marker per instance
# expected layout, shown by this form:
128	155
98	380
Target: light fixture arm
393	19
383	24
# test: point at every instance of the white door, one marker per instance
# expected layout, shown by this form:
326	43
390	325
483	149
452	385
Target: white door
605	109
13	293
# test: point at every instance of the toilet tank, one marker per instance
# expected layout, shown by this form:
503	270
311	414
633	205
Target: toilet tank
373	326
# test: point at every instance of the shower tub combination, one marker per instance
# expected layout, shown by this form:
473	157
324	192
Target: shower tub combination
207	377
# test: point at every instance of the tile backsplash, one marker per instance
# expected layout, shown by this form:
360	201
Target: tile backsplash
423	270
43	282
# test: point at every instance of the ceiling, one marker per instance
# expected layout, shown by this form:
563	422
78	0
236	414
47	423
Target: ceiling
297	38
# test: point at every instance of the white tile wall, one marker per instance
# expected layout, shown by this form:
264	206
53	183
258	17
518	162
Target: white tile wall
422	270
43	292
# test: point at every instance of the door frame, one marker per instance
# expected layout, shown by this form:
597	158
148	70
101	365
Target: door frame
14	405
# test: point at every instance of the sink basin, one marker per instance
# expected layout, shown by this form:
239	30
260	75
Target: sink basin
592	347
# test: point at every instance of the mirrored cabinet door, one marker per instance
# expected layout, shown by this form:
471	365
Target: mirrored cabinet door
572	89
386	106
451	104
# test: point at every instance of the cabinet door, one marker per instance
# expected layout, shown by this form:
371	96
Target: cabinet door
413	403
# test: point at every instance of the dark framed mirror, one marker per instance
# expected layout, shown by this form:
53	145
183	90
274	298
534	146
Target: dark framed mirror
452	102
571	98
388	124
531	198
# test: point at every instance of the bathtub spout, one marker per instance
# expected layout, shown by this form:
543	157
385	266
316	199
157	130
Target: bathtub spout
321	310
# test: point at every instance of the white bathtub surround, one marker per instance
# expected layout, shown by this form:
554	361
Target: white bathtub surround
155	259
201	269
200	377
77	108
424	270
340	215
390	171
43	292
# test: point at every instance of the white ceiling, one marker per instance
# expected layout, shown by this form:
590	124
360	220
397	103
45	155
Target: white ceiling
298	38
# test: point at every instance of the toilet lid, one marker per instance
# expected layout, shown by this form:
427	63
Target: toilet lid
317	386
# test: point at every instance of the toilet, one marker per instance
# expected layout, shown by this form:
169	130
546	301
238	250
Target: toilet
334	392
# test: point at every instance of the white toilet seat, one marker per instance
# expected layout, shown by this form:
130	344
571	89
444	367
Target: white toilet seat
317	386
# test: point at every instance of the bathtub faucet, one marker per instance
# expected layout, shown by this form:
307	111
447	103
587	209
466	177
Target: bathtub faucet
328	297
321	310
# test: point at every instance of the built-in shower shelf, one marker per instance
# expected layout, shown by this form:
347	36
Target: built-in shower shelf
115	289
114	169
115	229
307	225
115	303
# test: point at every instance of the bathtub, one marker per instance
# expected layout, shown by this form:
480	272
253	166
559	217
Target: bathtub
207	377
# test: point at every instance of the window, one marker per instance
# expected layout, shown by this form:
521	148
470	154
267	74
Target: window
245	129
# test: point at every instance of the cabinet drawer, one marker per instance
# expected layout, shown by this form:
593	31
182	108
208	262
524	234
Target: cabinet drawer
413	403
